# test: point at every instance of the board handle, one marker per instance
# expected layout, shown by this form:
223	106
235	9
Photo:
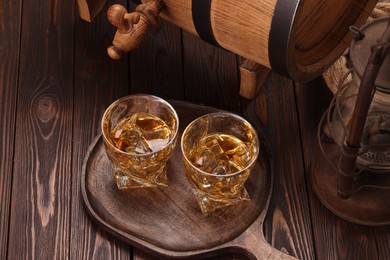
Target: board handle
253	244
264	251
132	27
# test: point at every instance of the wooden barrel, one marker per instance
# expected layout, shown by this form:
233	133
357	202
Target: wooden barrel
298	39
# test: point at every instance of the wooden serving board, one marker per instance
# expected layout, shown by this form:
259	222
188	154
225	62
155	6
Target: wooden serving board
167	221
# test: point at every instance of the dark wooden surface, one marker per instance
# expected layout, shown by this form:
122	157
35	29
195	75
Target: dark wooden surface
56	81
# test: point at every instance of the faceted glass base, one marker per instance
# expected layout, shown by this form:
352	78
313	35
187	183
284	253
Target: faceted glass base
208	203
126	181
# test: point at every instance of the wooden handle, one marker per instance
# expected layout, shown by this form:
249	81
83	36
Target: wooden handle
264	251
132	27
253	244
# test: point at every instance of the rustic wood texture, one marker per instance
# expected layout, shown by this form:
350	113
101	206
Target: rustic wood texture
10	26
39	223
273	111
208	78
56	81
132	27
98	82
156	67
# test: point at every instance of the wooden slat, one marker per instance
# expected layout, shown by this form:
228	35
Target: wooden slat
334	237
288	225
98	82
10	22
382	240
210	74
156	66
40	206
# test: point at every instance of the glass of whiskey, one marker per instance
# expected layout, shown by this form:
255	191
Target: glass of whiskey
140	133
219	151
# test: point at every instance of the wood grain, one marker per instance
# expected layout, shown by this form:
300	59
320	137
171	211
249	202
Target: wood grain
203	74
156	66
40	205
10	26
334	238
273	112
210	74
316	39
317	34
98	82
179	12
56	83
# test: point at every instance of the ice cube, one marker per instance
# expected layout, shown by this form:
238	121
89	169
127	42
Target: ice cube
220	170
157	139
214	147
157	144
160	133
117	133
142	147
128	140
205	161
154	131
233	166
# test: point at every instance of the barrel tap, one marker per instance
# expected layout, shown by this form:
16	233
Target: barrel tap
132	27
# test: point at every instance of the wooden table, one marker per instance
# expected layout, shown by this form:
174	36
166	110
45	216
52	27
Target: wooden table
56	81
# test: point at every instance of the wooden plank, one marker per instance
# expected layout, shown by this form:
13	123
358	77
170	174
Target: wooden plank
382	240
40	206
156	66
334	237
98	82
10	23
210	74
288	225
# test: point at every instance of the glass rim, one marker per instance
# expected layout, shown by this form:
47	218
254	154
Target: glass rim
250	164
121	99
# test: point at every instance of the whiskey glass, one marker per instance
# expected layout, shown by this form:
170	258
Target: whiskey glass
140	133
219	151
